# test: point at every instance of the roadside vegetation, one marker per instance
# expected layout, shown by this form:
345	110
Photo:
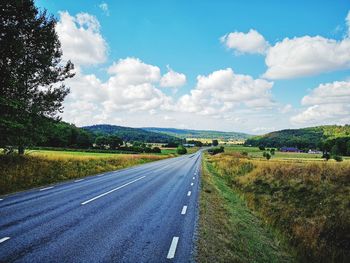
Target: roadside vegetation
229	231
307	202
20	172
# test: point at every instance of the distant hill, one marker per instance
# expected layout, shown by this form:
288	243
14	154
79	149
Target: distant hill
196	134
302	138
131	134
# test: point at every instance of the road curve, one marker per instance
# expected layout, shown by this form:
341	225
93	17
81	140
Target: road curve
146	213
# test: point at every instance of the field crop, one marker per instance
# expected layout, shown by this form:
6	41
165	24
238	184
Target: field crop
309	202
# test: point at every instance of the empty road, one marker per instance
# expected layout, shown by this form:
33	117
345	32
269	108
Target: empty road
146	213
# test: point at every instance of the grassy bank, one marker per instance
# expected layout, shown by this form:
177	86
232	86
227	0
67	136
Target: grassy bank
309	202
42	168
229	231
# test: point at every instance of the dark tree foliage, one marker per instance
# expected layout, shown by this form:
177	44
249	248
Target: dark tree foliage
216	150
196	143
215	143
181	150
30	72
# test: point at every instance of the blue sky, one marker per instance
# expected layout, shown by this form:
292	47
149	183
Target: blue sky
185	35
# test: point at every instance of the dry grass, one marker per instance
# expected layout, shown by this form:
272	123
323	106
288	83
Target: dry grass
308	201
24	172
229	231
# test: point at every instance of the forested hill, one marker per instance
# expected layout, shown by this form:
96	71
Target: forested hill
311	137
197	134
131	134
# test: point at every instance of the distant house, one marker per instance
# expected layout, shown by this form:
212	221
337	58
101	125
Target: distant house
314	152
290	149
188	145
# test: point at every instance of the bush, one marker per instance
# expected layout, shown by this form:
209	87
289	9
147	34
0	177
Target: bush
181	150
216	150
261	148
338	158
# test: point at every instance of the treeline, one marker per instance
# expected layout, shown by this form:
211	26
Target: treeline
129	134
329	139
62	135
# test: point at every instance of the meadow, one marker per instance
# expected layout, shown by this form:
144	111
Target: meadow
38	167
307	202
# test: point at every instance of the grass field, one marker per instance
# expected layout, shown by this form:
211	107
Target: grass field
42	167
254	152
307	201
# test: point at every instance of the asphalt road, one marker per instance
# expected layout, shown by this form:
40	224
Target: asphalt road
143	214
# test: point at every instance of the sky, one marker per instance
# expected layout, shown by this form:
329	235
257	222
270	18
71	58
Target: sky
248	66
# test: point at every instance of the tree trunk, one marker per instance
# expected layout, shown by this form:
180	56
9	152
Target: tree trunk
21	149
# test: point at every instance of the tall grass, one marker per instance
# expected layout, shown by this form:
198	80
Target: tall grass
308	201
24	172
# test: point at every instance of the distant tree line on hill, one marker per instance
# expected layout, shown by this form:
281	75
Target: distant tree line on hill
329	139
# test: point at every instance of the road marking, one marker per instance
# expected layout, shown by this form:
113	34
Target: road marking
172	248
1	199
79	180
4	239
100	174
189	193
191	184
111	191
193	177
184	209
46	188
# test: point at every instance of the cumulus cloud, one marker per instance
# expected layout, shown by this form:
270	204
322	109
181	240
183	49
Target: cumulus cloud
252	42
81	40
223	90
306	56
328	103
134	71
173	79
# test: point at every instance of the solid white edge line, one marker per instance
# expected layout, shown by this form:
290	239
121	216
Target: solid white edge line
46	188
191	184
172	249
189	193
79	180
111	191
184	209
4	239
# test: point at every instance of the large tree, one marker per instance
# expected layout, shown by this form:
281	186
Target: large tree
31	72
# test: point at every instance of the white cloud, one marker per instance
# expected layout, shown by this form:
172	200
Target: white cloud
223	90
328	103
81	40
104	7
306	56
252	42
134	71
173	79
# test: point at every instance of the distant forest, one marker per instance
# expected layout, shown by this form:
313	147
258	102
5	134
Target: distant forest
331	138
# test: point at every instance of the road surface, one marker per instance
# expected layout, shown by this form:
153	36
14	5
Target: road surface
146	213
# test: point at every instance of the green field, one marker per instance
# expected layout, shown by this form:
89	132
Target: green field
254	152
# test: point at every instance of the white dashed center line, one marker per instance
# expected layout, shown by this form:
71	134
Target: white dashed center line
46	188
79	180
1	199
189	193
4	239
184	209
191	184
193	177
111	191
172	249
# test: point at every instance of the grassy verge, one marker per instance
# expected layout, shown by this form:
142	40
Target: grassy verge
229	231
309	202
24	172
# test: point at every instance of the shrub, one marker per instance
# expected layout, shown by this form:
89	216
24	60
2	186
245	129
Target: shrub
216	150
338	158
181	150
